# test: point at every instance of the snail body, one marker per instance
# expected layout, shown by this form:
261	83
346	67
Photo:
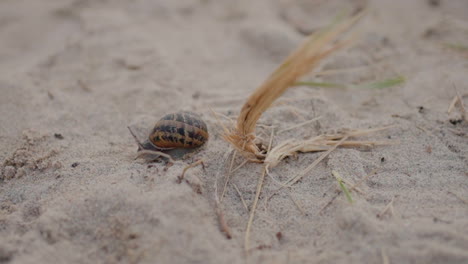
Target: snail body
179	130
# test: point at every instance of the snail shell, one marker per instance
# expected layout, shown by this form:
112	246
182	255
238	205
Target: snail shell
179	130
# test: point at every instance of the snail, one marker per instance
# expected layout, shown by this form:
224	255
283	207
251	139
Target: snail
181	130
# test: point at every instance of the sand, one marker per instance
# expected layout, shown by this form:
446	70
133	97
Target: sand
75	74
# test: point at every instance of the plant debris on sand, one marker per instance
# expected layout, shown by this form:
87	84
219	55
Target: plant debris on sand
242	137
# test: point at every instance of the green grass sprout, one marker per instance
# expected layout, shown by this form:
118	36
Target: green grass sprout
343	186
374	85
383	84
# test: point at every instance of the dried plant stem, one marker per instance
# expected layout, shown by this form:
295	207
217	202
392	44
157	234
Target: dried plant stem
198	162
462	106
315	48
228	176
452	104
252	211
319	143
223	226
293	180
299	207
222	221
388	207
241	197
355	186
240	166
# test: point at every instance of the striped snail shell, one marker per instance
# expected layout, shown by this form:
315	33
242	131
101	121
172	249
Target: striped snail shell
179	130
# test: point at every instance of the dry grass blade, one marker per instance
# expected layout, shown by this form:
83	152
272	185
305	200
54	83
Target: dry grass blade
299	207
181	177
293	180
223	226
319	143
241	197
252	211
300	62
387	208
452	104
228	176
462	106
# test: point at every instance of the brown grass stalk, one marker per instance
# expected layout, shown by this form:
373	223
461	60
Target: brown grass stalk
315	48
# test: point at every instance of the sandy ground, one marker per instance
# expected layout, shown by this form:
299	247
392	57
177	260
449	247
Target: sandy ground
75	74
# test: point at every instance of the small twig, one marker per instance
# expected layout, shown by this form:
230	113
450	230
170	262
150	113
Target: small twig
241	197
228	176
459	197
223	226
389	206
240	166
291	181
348	182
252	211
462	106
373	172
198	162
299	207
295	179
338	192
275	181
225	159
452	104
424	130
222	222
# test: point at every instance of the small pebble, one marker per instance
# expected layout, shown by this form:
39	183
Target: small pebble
74	164
58	136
